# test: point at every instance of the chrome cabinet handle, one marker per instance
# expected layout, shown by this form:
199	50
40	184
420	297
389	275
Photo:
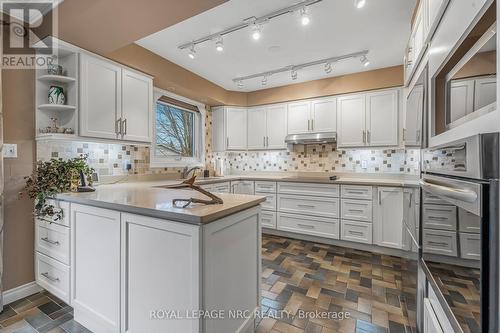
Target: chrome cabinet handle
227	142
312	124
264	142
356	210
418	135
357	233
368	137
118	126
438	218
51	278
124	127
47	240
355	192
267	141
437	243
306	206
364	136
308	226
379	198
308	124
404	134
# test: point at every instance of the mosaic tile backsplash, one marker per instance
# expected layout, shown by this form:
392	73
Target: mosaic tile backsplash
111	159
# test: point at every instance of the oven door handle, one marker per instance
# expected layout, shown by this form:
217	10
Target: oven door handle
450	192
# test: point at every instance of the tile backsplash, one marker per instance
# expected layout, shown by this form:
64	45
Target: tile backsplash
111	159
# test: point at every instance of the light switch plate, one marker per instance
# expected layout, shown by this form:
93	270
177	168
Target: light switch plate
364	164
10	150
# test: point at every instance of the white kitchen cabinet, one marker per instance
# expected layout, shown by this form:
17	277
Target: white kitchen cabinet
299	114
257	125
236	128
137	107
115	103
218	129
413	118
485	92
315	226
461	99
351	118
267	127
324	115
382	118
433	10
431	322
388	221
243	187
95	251
100	97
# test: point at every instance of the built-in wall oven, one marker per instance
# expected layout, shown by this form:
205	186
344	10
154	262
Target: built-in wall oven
459	230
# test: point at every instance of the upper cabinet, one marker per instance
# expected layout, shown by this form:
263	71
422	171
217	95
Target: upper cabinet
229	128
369	119
312	116
276	124
115	103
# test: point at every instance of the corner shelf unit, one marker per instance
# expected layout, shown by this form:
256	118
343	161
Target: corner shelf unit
67	114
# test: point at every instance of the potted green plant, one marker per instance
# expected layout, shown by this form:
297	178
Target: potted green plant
52	177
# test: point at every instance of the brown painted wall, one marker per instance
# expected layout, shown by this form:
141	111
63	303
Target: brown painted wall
18	91
376	79
484	63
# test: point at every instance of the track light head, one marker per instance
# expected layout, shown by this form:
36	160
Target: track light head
219	44
256	31
240	84
294	74
328	68
304	16
192	52
264	80
359	3
364	60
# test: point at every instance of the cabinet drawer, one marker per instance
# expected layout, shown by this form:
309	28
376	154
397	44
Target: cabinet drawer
52	276
468	222
322	190
440	217
270	203
267	187
356	192
433	199
358	210
268	219
317	206
470	246
316	226
440	242
354	231
221	187
62	206
52	240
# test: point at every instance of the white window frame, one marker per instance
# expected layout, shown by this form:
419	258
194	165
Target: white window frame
199	136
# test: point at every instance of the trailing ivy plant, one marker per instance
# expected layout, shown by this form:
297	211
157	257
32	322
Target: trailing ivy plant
52	177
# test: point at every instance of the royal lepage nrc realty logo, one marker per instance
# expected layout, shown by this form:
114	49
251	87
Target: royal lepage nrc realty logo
25	26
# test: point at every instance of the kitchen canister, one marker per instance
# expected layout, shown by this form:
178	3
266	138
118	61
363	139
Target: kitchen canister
56	95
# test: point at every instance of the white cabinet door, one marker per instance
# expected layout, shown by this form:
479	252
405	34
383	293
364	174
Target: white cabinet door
431	322
351	121
243	187
299	117
137	106
218	130
388	222
100	97
419	35
95	251
433	8
461	99
151	284
236	128
413	119
276	126
324	115
485	92
257	133
382	118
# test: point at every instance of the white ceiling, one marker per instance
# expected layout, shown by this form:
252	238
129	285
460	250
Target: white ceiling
336	28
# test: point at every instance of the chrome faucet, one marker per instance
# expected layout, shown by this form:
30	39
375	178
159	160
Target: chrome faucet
185	172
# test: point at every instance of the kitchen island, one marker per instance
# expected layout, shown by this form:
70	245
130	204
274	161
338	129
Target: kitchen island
139	264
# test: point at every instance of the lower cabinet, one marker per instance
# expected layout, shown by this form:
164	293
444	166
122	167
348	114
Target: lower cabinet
431	322
243	187
388	221
356	231
316	226
268	219
52	276
95	251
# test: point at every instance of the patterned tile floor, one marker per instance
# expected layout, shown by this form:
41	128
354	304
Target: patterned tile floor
299	279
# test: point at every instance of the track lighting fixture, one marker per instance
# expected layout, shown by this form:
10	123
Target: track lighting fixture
364	60
192	52
304	16
219	44
359	3
294	74
256	31
328	67
264	80
240	84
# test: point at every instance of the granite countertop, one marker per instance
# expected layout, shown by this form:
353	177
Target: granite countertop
145	198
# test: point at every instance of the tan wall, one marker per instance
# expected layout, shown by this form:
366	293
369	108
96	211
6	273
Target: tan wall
484	63
18	91
376	79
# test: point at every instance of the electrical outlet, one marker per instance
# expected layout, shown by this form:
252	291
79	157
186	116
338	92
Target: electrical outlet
364	164
10	150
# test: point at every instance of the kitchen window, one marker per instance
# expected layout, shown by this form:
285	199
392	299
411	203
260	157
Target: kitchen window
178	136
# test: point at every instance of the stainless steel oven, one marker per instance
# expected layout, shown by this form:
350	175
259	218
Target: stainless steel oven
459	230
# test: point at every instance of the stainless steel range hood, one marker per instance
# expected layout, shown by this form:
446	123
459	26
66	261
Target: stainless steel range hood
311	138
